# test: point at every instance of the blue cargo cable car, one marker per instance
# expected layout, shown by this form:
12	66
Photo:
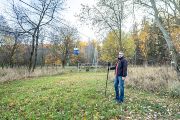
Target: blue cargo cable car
76	51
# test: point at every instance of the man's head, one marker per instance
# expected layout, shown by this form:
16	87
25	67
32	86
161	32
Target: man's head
121	54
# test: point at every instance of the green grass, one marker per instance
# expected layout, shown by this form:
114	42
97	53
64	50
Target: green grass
80	96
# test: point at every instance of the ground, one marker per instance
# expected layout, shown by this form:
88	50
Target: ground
80	96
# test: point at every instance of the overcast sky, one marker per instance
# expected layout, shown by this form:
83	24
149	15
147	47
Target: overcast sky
73	7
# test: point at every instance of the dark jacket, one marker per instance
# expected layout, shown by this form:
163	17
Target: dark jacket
122	67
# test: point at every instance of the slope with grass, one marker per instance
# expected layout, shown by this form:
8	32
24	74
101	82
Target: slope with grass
80	96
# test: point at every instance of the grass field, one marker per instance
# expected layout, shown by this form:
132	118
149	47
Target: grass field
80	96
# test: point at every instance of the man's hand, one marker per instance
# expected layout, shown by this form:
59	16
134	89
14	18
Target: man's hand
123	78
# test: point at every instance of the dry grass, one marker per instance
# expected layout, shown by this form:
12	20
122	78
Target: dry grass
9	74
153	79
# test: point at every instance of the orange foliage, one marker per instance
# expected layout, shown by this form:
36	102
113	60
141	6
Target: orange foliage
143	38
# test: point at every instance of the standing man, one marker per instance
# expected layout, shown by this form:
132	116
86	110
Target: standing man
120	76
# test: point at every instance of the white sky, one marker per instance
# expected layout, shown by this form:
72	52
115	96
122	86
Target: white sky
73	7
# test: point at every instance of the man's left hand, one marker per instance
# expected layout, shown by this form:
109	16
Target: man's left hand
123	78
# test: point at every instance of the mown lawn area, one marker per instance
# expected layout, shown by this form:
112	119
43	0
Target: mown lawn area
80	96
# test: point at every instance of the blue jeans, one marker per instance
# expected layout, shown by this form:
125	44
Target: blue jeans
119	85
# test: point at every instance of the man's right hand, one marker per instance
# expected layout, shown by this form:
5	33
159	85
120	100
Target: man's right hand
123	78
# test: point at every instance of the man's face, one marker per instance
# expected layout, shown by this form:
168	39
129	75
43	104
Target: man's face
120	55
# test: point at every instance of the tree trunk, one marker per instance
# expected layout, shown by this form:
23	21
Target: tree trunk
36	48
63	63
176	60
145	63
11	63
31	54
13	51
167	38
42	57
120	27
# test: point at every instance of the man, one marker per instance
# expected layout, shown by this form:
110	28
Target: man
120	76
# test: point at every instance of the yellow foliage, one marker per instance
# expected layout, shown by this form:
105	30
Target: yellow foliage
57	62
129	47
143	38
48	59
83	44
110	47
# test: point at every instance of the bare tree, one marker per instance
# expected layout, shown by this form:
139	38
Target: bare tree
31	19
63	39
15	39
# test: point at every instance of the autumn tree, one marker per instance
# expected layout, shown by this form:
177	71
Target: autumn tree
144	37
31	18
63	42
157	7
138	57
10	40
110	47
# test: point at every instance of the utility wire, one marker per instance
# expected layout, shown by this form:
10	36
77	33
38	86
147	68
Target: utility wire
54	18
